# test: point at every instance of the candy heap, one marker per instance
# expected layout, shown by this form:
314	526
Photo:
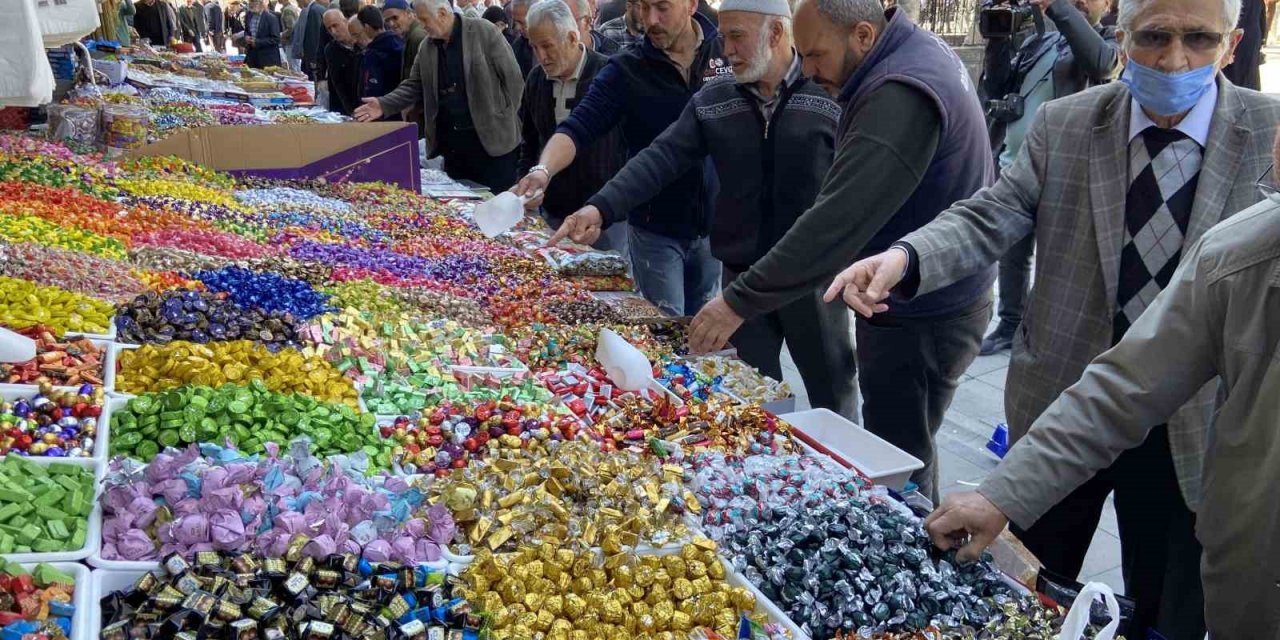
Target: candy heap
71	362
577	496
248	417
36	604
277	506
160	367
834	556
566	593
338	596
44	508
53	423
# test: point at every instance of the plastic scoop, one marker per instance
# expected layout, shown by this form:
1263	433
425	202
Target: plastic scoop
626	365
500	213
16	347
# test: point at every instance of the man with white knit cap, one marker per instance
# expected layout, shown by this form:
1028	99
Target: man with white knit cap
771	134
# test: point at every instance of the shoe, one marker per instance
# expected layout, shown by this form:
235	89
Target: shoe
999	340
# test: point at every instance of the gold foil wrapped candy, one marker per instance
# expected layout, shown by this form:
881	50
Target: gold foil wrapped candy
574	495
521	599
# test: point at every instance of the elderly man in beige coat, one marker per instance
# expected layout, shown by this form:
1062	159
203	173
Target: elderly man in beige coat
1219	317
469	86
1117	183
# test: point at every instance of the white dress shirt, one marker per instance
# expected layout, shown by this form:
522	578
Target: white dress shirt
1195	125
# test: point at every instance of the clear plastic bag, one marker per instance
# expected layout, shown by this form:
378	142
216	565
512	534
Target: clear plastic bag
76	125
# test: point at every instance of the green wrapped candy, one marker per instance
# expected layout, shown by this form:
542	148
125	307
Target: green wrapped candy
44	508
246	416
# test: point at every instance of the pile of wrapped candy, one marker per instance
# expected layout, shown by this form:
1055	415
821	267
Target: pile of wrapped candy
340	412
38	604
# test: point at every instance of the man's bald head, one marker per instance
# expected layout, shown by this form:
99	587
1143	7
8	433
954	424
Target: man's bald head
336	24
357	31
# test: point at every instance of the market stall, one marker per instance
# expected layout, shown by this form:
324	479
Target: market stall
274	409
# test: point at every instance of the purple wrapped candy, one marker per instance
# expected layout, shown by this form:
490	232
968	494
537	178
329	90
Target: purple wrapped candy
225	501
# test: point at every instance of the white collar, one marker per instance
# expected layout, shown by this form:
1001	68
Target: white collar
1195	125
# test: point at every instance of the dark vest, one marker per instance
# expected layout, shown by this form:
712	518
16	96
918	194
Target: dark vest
962	163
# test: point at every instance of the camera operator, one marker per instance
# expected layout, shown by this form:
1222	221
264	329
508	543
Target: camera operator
1066	54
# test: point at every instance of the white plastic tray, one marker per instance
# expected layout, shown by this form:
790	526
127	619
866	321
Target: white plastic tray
110	349
93	534
851	445
82	599
11	392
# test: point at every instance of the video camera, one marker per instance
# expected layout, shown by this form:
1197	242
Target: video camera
1003	18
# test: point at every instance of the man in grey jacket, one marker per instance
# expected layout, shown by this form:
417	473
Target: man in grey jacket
1219	317
771	134
1116	182
1079	53
469	85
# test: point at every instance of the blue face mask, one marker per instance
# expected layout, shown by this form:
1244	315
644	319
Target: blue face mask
1168	94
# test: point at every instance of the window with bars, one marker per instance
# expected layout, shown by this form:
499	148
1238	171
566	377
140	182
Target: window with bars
951	19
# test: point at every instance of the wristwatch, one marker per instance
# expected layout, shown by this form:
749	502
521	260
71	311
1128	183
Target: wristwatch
540	167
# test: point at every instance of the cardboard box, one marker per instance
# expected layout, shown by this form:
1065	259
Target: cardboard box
348	152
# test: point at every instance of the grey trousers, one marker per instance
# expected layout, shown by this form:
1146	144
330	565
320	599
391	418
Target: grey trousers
911	368
817	335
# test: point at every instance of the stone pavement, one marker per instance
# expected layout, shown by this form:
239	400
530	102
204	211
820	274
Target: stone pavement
965	461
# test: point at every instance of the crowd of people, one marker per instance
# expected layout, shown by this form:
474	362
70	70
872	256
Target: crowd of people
744	159
772	165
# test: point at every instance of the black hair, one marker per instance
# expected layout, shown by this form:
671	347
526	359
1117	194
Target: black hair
348	7
496	15
371	17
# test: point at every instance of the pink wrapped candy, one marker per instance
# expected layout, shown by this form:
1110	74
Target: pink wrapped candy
224	501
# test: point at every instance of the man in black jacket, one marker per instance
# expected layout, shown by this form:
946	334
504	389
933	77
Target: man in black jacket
150	24
644	89
214	19
520	43
766	182
565	70
343	63
381	58
261	41
1078	54
194	29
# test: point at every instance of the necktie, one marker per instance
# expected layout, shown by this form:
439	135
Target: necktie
1165	168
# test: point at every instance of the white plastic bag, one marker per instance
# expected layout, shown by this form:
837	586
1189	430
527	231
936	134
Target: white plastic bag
25	77
65	21
1077	619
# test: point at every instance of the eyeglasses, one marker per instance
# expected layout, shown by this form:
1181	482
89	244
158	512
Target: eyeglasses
1194	40
1267	183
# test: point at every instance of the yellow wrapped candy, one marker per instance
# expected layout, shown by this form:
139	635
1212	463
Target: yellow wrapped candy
155	367
24	304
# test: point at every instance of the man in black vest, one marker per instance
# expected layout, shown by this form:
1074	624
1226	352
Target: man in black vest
565	69
911	138
771	134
